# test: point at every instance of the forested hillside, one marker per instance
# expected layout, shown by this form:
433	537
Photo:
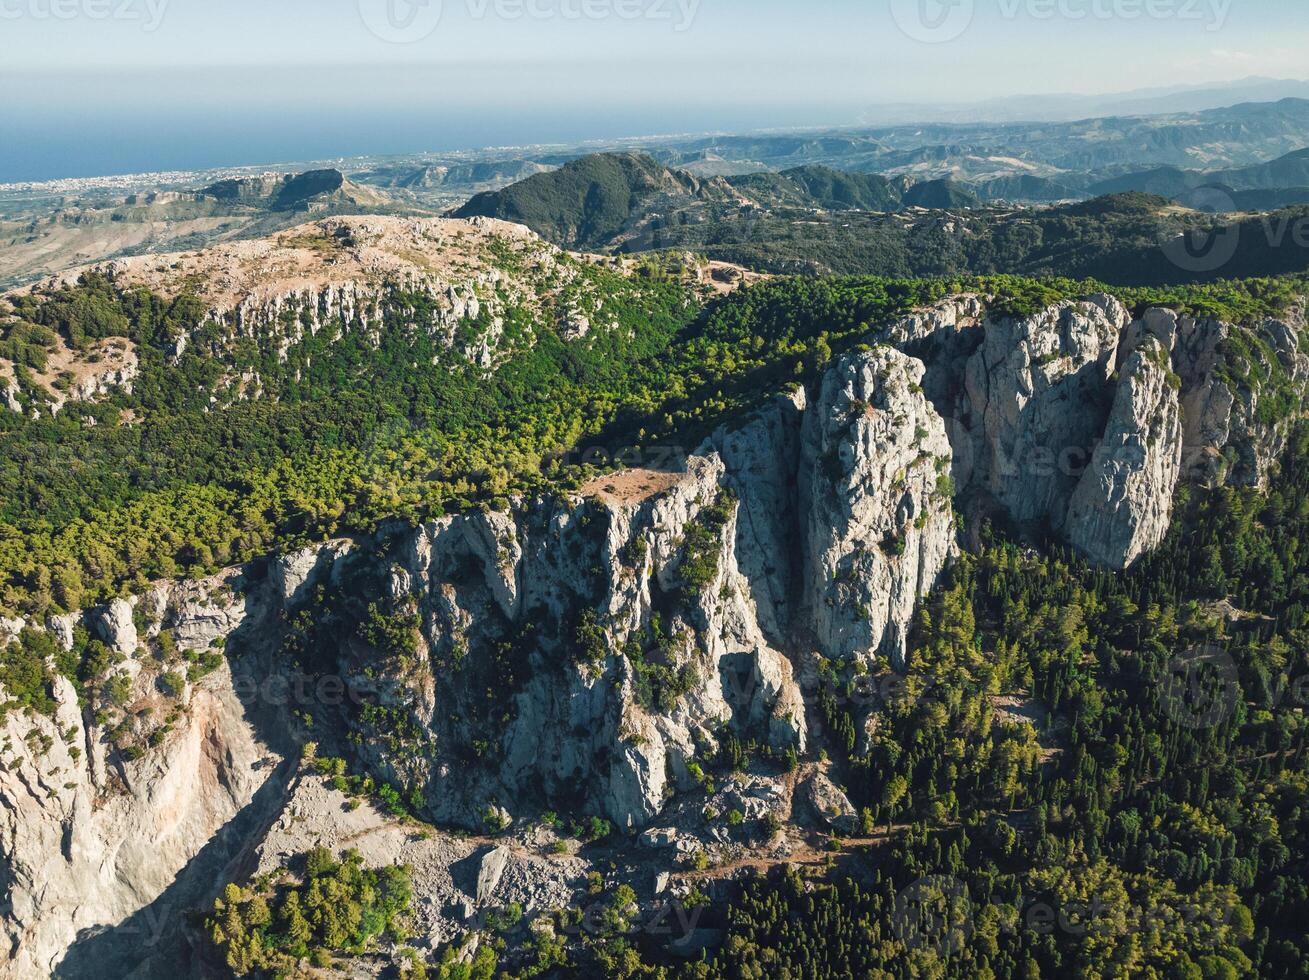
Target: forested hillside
350	432
600	555
814	220
1151	821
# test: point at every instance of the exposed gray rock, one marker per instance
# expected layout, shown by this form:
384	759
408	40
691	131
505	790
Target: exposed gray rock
1039	392
118	374
115	626
1228	436
879	525
1124	503
81	853
830	805
816	523
488	877
453	878
10	629
64	628
295	573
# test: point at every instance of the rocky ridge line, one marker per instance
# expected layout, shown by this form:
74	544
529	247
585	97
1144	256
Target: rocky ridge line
807	533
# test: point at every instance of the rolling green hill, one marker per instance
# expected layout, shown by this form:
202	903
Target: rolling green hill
609	200
590	201
1286	173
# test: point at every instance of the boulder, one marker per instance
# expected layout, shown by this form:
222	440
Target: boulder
830	805
488	876
114	625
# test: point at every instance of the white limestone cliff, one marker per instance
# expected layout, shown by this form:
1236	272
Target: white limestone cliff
1123	505
879	524
586	651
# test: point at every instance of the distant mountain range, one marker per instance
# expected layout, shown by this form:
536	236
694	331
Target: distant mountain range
1016	162
817	220
309	191
1274	184
1046	107
1253	153
1233	136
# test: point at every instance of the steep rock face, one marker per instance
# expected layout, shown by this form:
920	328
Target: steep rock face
1038	388
761	460
879	523
293	574
1060	411
580	586
583	652
92	836
117	627
1236	386
87	841
1123	505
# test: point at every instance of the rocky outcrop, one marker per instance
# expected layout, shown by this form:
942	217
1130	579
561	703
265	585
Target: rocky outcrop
116	369
1071	418
89	838
830	806
879	525
72	376
1123	505
1240	388
591	652
456	880
115	625
1038	388
293	575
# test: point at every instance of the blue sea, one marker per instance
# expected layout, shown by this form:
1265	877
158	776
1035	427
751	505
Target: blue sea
72	142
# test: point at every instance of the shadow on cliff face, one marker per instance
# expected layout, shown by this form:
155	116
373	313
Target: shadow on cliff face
155	942
152	943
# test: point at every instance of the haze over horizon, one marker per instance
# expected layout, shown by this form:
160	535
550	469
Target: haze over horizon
173	84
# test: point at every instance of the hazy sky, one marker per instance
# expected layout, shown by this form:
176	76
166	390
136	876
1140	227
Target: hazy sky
248	77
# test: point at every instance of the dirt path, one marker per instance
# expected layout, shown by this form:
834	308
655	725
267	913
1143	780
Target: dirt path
809	849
